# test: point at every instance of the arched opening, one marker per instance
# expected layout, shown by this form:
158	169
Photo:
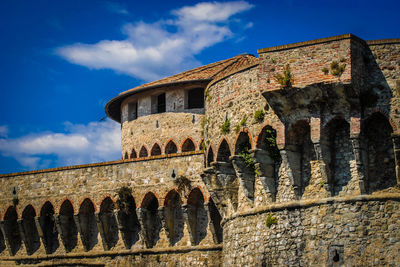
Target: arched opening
173	217
133	154
127	217
341	153
300	152
171	148
380	163
151	220
155	150
224	152
188	145
108	222
69	232
11	230
197	216
143	152
30	230
88	226
49	229
216	219
267	141
126	155
210	156
242	143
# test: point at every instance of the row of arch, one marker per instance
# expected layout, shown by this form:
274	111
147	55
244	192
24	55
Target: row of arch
112	222
170	148
337	151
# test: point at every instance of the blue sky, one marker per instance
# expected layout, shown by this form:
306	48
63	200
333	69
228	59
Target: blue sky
61	61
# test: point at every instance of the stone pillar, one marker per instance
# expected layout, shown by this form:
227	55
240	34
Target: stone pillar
291	157
355	137
100	227
396	149
265	168
225	176
41	234
141	213
6	240
245	174
79	228
192	232
121	228
23	235
164	225
60	231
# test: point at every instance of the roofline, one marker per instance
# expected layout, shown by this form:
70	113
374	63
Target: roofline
122	96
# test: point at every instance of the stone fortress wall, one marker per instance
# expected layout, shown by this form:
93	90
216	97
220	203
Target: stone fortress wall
306	174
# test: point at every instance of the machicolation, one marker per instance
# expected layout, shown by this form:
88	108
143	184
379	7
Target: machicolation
289	158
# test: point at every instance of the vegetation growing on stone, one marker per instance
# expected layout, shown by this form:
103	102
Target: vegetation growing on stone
337	69
237	128
271	219
125	201
259	115
225	127
325	70
243	122
182	183
285	79
270	141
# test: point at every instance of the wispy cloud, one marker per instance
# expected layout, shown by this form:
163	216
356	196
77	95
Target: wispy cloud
116	8
3	131
80	144
155	50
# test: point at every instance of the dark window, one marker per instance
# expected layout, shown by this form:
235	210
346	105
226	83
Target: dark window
161	103
196	98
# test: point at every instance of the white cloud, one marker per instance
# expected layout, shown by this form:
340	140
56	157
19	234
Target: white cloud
3	131
155	50
94	142
116	8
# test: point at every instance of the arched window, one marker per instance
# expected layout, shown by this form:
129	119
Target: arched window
173	217
47	223
88	226
30	230
224	152
210	156
242	143
156	150
171	148
11	229
377	133
133	154
127	217
267	141
108	223
126	155
197	216
151	220
188	145
143	152
69	232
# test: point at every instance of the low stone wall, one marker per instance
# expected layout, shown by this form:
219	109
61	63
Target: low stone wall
357	231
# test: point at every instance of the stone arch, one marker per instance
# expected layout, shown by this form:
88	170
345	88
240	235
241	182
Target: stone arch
224	152
197	216
188	145
171	147
133	154
215	221
11	231
300	152
337	131
151	222
32	239
380	163
243	143
267	140
68	229
108	223
210	156
126	155
143	152
173	217
87	224
127	218
49	229
155	150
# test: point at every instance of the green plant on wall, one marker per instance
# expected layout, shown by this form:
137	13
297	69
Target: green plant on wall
337	69
259	115
271	220
243	122
182	183
271	146
237	128
325	70
285	79
125	201
225	127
